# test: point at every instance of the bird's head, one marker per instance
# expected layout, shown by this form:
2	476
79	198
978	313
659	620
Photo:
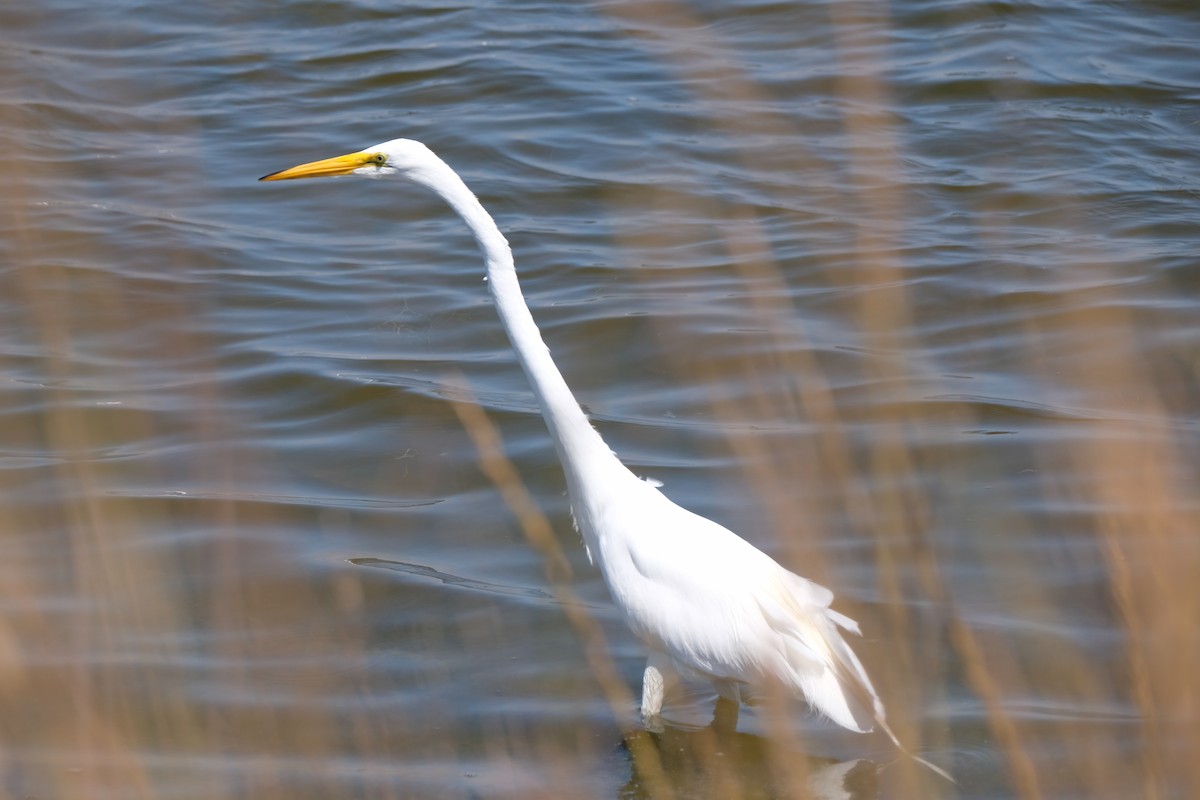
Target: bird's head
402	158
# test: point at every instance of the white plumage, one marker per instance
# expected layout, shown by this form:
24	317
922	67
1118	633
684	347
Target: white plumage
706	602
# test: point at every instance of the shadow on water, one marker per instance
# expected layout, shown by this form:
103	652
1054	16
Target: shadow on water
719	762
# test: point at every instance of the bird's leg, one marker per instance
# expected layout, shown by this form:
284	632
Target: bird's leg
729	703
725	715
657	680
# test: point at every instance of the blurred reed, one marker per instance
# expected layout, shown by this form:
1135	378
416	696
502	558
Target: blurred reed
1139	487
110	719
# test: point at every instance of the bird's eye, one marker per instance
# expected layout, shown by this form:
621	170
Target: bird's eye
378	159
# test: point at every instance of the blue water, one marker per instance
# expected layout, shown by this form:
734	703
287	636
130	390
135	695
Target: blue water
906	295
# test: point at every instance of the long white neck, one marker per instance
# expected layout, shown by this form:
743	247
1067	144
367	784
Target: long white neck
580	448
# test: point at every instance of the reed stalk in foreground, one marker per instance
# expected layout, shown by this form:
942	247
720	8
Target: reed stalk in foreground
99	692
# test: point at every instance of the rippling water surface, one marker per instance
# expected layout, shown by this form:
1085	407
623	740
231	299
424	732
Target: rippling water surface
906	295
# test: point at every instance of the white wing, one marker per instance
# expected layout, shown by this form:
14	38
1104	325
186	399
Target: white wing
716	604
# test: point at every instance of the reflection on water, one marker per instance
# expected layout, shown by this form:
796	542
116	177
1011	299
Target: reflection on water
723	763
905	295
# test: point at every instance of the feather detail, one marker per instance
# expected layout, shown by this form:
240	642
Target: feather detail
821	666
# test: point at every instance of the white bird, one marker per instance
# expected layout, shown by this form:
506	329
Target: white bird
707	603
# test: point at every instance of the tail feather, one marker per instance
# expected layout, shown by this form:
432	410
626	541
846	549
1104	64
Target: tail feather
927	764
849	663
838	686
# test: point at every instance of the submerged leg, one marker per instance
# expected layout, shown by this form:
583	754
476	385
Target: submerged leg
729	703
725	715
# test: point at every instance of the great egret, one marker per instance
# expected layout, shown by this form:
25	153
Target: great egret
707	603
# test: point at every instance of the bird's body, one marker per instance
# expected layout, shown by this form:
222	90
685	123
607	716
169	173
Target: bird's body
669	571
706	602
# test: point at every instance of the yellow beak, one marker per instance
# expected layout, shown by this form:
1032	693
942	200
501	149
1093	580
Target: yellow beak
339	165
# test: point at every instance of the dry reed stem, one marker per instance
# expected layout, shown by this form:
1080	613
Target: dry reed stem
538	531
1139	495
1143	530
770	474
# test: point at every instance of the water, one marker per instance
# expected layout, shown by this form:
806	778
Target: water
906	295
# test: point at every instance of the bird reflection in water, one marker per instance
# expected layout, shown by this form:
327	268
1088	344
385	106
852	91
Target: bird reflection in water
717	761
